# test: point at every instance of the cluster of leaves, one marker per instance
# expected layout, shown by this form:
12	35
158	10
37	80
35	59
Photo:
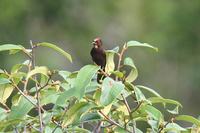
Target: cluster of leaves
36	99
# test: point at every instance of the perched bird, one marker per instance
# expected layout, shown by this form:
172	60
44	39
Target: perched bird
98	56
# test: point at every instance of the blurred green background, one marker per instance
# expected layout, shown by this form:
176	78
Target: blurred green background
172	26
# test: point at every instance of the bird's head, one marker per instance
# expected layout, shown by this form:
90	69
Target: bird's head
97	42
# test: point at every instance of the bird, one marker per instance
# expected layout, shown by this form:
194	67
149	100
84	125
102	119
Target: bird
98	56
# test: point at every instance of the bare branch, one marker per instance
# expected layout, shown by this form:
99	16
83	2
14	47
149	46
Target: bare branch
36	86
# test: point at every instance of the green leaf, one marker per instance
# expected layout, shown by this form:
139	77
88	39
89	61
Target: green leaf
173	127
51	129
139	95
92	86
114	50
38	70
83	79
129	86
110	90
5	47
188	118
5	92
17	67
174	111
110	65
90	117
153	112
24	106
64	74
134	72
118	74
75	112
13	48
1	71
3	114
139	44
49	96
77	130
163	100
4	81
65	96
129	62
149	90
56	48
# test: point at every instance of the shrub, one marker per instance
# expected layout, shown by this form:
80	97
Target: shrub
36	99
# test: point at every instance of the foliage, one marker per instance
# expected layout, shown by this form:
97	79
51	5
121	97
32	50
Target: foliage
35	98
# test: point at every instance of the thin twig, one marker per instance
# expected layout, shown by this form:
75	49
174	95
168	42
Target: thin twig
16	130
171	119
129	111
120	59
21	92
46	84
5	107
112	121
126	104
137	107
57	125
36	86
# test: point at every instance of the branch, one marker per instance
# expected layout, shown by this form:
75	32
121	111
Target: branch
21	92
170	120
129	111
36	86
112	121
46	84
120	59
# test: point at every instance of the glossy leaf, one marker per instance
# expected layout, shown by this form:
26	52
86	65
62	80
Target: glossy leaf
38	70
24	106
163	100
173	127
83	79
149	90
5	92
64	96
153	112
64	74
188	118
90	117
110	90
134	72
139	95
110	65
5	47
3	114
56	48
118	74
49	96
139	44
77	130
4	81
75	112
174	111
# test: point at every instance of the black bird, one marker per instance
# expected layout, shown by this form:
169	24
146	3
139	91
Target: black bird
98	56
